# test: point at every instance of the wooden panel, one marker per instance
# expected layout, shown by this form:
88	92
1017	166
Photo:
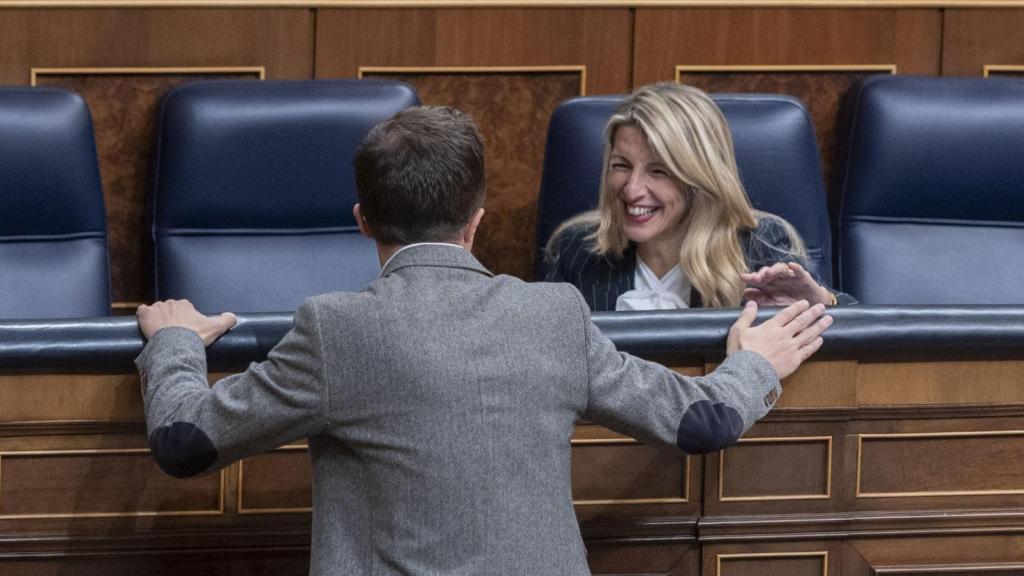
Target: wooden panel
975	38
940	464
279	481
939	383
623	471
279	40
667	37
52	397
755	469
797	564
512	110
123	106
596	38
761	559
953	555
99	483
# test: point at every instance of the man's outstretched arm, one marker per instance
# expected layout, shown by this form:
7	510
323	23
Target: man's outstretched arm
196	428
705	413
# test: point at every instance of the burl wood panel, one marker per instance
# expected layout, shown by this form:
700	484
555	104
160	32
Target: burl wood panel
924	465
766	469
974	38
276	481
280	40
123	110
643	559
512	111
111	482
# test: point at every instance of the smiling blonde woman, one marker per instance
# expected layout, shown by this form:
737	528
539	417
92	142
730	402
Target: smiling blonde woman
674	227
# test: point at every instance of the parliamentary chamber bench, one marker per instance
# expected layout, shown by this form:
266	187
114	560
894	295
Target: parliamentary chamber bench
896	450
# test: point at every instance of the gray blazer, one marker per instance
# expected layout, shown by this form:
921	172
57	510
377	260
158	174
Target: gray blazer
439	403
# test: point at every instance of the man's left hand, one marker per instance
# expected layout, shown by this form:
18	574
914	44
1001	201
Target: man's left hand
182	313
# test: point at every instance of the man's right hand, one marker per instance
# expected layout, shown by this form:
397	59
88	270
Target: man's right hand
786	339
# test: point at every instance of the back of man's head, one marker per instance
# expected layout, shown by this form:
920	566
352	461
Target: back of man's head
420	175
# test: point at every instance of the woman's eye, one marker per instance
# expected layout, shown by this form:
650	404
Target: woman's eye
619	167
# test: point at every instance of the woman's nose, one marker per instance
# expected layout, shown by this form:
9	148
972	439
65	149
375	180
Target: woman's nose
634	188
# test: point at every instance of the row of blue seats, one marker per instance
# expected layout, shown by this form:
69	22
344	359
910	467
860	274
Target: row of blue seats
253	188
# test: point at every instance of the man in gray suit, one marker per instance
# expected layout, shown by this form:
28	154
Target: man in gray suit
439	401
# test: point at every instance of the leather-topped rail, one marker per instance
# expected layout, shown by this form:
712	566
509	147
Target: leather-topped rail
885	332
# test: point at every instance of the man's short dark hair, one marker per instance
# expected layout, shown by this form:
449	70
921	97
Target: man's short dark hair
420	175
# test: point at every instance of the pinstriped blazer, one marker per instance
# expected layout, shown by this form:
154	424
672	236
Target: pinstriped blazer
602	279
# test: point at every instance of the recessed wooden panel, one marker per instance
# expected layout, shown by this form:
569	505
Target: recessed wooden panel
763	564
512	110
940	383
940	464
68	397
123	103
126	482
626	472
974	38
278	481
762	469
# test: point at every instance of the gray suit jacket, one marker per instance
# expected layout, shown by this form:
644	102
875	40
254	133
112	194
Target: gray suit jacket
439	403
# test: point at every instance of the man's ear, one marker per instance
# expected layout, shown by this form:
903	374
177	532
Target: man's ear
469	232
361	222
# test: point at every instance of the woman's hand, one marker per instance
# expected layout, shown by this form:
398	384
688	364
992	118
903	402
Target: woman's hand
782	284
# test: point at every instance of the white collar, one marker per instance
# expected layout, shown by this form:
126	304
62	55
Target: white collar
413	245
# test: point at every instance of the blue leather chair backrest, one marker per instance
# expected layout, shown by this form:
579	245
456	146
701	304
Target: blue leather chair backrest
933	192
775	150
53	230
254	188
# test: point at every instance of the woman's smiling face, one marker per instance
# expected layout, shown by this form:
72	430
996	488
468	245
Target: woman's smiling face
652	199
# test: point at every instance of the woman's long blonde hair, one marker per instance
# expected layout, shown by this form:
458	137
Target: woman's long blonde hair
688	133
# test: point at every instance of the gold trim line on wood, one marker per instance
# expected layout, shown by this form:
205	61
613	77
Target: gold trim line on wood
36	72
725	68
241	474
823	554
510	3
777	440
541	69
928	494
987	69
14	454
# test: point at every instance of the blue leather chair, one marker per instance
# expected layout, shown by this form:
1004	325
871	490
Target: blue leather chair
254	188
775	150
53	231
933	192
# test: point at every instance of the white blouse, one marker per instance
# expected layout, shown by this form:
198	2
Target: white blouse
670	292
